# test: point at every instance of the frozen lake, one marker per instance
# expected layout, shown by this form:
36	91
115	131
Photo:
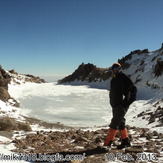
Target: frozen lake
69	105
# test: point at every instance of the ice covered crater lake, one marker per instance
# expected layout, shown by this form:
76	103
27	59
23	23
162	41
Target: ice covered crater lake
69	105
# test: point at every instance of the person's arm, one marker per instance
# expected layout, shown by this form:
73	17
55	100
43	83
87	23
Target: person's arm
132	94
129	92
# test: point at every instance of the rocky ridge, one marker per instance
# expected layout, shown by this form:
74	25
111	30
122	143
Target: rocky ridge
136	64
11	76
87	72
22	78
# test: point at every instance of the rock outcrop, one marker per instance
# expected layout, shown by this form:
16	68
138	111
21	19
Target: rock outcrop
7	76
5	79
87	72
10	124
158	69
18	78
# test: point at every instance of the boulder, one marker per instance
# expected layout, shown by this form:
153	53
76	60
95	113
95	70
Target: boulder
24	126
9	124
4	81
4	95
158	69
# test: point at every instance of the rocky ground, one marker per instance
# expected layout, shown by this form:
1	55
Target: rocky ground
79	141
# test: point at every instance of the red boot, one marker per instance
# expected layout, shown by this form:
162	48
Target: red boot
110	137
124	133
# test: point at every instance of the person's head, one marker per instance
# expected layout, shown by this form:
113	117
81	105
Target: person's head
116	68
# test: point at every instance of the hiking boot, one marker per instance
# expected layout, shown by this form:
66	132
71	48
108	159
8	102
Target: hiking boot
110	137
124	143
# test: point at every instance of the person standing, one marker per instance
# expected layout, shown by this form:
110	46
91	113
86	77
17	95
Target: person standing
122	94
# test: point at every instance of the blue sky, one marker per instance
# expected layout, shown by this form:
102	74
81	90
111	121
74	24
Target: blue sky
52	37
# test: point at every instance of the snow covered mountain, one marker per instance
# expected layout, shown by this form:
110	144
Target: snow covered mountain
146	71
144	67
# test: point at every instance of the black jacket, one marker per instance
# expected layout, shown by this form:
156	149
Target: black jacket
122	90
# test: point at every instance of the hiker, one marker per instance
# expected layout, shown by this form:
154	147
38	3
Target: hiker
122	94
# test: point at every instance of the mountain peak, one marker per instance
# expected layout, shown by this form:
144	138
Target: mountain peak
144	68
87	72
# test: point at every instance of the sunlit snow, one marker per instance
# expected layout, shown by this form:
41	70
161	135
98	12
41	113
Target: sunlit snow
70	105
